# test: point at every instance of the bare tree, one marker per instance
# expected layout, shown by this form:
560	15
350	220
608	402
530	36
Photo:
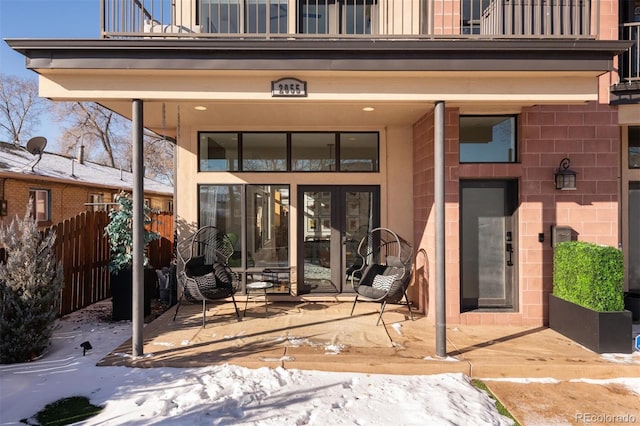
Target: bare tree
158	158
106	137
103	127
20	107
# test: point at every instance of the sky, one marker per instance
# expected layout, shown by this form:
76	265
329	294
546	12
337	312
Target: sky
225	394
44	19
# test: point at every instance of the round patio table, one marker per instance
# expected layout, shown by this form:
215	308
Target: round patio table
256	286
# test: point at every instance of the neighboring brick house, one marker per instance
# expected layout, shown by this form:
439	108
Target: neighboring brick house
64	186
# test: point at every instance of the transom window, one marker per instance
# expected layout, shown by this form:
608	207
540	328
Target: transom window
289	151
487	139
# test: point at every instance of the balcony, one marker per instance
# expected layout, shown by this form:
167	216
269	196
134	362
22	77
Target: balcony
349	18
627	90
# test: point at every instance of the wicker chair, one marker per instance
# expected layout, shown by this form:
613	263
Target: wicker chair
203	269
387	267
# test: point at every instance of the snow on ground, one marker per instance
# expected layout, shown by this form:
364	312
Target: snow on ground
227	394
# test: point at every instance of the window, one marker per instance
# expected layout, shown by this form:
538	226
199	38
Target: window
243	16
40	209
96	202
359	152
268	225
267	221
283	151
472	11
221	206
170	206
487	139
264	152
313	152
336	16
218	152
634	147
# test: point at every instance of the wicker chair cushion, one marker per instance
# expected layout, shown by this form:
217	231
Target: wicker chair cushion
384	282
209	288
370	292
199	271
223	276
195	261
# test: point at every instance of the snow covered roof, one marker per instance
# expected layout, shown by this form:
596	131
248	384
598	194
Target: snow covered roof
17	160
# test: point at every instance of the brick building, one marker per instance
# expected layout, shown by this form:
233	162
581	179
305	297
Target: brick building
63	186
300	123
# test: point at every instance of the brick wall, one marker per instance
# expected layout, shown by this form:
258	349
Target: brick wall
588	135
66	200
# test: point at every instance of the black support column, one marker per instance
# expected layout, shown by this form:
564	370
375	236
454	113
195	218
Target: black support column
138	229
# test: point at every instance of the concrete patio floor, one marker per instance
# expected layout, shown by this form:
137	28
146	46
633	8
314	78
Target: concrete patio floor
323	336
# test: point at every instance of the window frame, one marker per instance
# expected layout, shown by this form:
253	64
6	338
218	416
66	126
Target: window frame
96	202
289	161
241	219
34	208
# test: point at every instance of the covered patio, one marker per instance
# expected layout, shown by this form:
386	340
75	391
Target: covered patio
314	335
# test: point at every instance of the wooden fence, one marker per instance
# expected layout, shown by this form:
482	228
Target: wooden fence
83	249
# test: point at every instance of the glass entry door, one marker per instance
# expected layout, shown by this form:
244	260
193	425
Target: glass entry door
487	243
331	222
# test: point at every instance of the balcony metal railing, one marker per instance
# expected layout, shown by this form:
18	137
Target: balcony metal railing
534	17
629	65
349	18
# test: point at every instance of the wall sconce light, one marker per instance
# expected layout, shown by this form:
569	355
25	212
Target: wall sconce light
565	177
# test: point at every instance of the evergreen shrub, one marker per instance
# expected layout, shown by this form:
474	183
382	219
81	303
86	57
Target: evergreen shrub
30	285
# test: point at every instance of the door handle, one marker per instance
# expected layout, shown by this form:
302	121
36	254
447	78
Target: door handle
510	251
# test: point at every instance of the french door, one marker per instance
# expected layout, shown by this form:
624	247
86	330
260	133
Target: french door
331	222
487	243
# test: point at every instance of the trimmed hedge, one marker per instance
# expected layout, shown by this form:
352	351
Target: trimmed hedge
589	275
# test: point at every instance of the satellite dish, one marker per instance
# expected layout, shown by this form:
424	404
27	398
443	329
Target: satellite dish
36	145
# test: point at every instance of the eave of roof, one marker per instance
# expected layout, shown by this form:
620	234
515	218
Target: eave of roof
326	54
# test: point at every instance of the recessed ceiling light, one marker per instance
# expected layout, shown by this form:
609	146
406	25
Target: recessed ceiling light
200	108
368	109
